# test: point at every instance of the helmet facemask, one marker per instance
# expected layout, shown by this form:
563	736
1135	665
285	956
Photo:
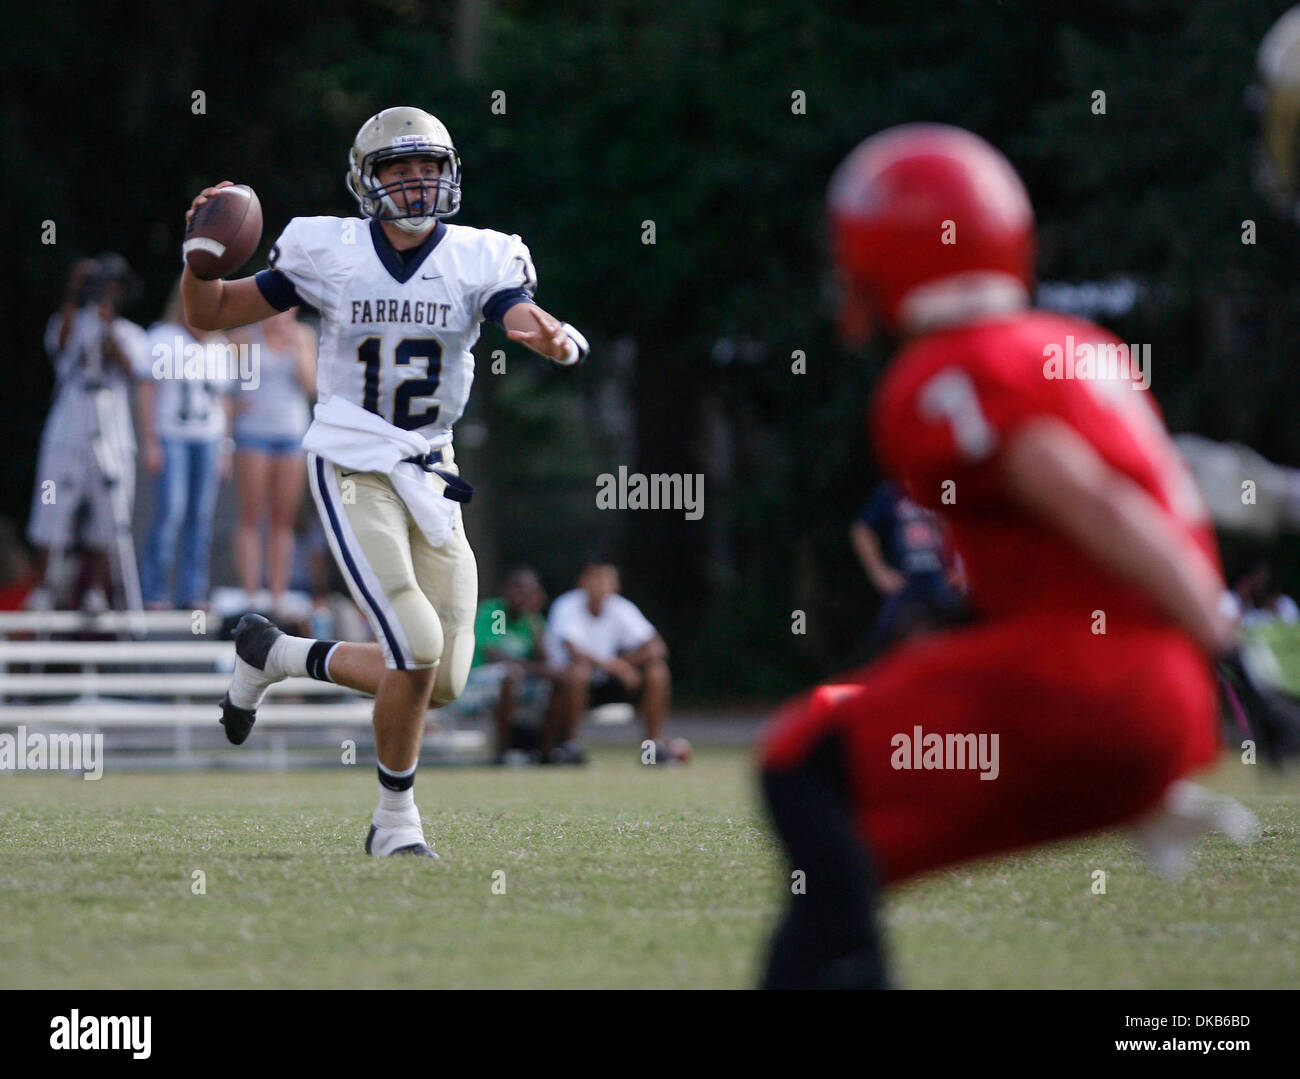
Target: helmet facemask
412	204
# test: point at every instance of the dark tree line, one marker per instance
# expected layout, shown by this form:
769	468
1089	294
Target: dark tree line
582	122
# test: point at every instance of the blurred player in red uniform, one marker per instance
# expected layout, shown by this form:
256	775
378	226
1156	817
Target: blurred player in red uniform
1084	692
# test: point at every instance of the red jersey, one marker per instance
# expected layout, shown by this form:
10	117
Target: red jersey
951	402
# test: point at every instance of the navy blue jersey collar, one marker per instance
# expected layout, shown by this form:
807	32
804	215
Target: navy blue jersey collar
388	255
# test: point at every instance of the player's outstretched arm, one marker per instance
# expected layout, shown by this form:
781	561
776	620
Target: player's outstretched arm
544	334
220	305
1052	471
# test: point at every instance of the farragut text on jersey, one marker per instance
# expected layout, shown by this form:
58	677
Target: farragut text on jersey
418	312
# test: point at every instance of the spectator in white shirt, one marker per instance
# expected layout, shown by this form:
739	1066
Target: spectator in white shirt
88	447
184	422
604	650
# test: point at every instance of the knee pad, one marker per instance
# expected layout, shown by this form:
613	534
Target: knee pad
420	623
453	672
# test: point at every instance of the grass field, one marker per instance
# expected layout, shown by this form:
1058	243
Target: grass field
616	876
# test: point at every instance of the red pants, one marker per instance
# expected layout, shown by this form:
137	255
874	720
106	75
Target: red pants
1090	729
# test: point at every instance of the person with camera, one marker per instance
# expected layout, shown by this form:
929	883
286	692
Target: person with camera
86	463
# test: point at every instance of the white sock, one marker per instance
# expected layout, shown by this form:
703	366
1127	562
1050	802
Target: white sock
396	801
400	802
288	657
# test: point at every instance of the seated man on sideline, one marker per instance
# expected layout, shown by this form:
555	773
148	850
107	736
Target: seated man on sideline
509	670
605	651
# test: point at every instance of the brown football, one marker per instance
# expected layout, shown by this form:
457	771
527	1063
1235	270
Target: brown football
223	233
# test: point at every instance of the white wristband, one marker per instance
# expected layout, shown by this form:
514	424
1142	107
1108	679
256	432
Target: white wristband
578	347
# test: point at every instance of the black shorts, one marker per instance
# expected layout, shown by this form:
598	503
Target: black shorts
610	690
525	737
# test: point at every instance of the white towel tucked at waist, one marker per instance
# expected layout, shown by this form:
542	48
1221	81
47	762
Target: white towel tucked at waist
350	437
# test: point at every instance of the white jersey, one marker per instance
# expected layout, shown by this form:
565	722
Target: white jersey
79	413
396	333
80	370
187	408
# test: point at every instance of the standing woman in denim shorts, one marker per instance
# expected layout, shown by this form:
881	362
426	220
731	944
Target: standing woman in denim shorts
270	469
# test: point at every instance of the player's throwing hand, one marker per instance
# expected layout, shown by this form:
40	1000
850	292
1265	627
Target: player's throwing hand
203	197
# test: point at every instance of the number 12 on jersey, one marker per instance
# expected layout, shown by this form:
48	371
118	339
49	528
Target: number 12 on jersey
407	390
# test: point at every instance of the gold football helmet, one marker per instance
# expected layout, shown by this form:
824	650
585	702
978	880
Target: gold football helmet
404	132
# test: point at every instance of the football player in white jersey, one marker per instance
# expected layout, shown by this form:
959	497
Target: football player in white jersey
402	296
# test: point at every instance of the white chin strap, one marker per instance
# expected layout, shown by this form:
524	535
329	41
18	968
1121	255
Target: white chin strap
412	224
406	224
961	298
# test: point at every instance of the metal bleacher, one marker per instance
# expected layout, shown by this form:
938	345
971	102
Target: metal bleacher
154	696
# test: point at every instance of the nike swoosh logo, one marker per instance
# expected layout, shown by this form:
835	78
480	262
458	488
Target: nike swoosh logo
430	277
346	474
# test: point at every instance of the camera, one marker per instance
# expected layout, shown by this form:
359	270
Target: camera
104	271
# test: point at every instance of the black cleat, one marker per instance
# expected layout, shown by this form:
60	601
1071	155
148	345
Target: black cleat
237	721
254	637
419	850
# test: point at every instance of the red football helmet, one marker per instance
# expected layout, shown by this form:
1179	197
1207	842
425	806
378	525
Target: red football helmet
930	226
